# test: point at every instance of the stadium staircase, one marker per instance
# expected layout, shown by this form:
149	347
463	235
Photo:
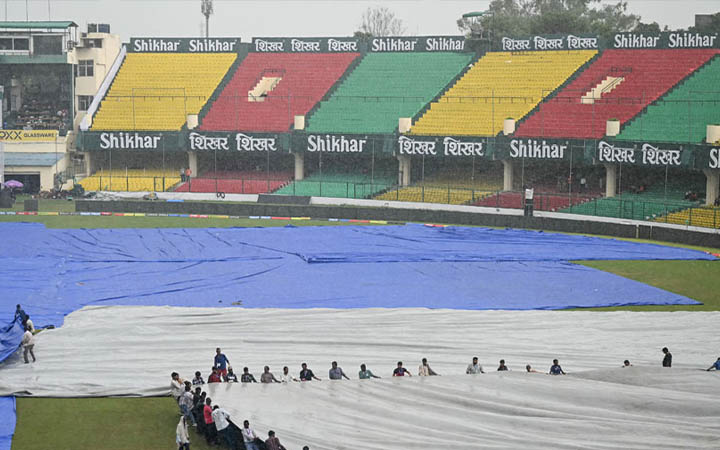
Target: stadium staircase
683	113
156	91
236	182
383	88
500	85
645	75
132	180
227	78
339	185
304	80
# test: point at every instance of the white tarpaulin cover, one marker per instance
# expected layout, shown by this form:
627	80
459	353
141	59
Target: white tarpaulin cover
132	350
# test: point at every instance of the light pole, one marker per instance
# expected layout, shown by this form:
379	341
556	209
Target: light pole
206	7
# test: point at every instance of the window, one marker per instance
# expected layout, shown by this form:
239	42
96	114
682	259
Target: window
84	102
48	45
10	43
85	68
22	43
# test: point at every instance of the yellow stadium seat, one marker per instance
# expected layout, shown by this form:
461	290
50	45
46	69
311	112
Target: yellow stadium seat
131	180
708	217
500	85
156	91
434	194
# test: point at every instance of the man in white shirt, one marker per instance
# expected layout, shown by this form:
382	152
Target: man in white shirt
177	386
286	377
425	370
474	368
28	343
220	417
186	404
249	436
181	435
29	324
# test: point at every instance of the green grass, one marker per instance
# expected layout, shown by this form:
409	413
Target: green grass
99	423
699	280
160	222
149	423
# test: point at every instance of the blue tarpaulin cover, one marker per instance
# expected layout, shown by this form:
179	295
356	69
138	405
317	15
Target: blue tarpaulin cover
7	423
52	272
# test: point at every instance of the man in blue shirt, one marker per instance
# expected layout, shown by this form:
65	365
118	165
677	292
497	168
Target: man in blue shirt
555	369
221	362
20	313
365	373
307	374
716	365
336	373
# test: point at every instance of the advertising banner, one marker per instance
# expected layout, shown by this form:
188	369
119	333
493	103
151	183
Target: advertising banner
130	140
418	44
674	39
442	146
184	45
644	154
306	45
235	142
28	135
555	42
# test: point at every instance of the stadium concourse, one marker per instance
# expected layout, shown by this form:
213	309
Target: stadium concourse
376	295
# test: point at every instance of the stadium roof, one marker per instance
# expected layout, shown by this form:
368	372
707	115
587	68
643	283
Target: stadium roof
477	14
31	25
13	159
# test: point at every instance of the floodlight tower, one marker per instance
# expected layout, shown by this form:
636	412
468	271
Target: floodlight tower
206	7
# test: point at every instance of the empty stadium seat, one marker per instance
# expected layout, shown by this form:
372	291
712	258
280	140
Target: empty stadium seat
336	184
683	114
156	91
434	194
542	201
647	74
236	182
708	217
500	85
304	78
132	180
656	201
383	88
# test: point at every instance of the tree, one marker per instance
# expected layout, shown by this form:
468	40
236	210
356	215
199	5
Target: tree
379	22
648	28
546	17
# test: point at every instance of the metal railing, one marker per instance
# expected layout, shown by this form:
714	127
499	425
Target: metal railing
583	203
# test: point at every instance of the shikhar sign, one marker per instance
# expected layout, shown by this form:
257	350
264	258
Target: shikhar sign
568	42
675	39
648	154
238	142
330	143
447	146
184	45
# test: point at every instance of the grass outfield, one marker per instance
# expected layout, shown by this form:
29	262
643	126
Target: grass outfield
99	423
149	423
699	280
